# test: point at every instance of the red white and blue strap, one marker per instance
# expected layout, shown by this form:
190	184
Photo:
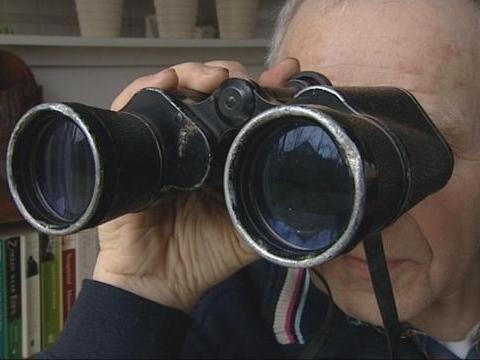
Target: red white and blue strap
289	308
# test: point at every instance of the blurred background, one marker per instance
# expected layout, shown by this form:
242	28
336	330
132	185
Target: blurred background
59	17
87	51
93	68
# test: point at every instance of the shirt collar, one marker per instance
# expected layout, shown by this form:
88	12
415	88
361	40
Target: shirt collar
297	298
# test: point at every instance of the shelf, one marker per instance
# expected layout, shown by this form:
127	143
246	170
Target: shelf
94	70
68	51
15	228
78	41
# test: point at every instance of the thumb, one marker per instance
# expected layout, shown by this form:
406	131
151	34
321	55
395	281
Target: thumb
280	73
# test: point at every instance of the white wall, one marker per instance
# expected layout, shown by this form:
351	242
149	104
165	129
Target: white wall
95	75
96	86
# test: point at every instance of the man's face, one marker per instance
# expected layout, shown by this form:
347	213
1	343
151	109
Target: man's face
428	48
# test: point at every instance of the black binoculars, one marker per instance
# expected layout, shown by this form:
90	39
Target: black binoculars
307	171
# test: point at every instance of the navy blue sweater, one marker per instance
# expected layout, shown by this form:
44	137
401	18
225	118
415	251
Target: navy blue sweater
264	311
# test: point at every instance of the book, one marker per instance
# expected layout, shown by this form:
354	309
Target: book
59	239
50	255
69	288
86	248
31	312
2	300
12	324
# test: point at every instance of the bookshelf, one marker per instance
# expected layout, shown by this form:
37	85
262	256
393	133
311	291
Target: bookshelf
40	278
68	67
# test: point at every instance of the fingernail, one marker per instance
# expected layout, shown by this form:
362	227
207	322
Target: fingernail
295	60
291	62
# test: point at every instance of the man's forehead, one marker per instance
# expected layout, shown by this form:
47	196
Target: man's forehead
425	46
375	41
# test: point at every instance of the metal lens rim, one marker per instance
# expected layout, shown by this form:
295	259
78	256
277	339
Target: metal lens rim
353	160
250	173
43	223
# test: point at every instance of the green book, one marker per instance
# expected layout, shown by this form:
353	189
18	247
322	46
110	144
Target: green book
50	254
12	324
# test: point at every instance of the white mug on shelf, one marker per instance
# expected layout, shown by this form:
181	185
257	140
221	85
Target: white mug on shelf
237	19
99	18
176	18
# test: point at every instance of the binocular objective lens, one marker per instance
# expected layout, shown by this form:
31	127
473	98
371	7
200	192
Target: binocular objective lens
63	169
304	188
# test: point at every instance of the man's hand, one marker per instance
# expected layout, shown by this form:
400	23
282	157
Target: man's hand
174	252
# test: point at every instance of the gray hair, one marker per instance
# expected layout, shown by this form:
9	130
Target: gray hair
281	25
285	17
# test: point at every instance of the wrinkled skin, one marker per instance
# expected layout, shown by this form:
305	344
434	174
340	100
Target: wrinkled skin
429	47
172	254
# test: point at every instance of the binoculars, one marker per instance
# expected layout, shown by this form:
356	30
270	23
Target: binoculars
307	170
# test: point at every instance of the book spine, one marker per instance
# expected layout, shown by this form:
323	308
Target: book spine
13	324
59	259
2	300
68	274
31	314
86	255
50	288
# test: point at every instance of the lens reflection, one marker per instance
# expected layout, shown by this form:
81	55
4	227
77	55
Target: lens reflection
305	189
64	169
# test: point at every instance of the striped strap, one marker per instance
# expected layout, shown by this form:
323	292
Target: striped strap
289	308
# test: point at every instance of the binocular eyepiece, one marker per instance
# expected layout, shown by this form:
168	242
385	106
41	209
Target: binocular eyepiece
307	171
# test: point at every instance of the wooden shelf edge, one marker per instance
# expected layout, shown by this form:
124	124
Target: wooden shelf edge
15	228
79	41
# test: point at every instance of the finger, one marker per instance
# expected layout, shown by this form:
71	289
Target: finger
235	69
280	73
200	77
166	79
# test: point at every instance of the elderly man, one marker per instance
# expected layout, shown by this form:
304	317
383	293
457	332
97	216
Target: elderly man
178	281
